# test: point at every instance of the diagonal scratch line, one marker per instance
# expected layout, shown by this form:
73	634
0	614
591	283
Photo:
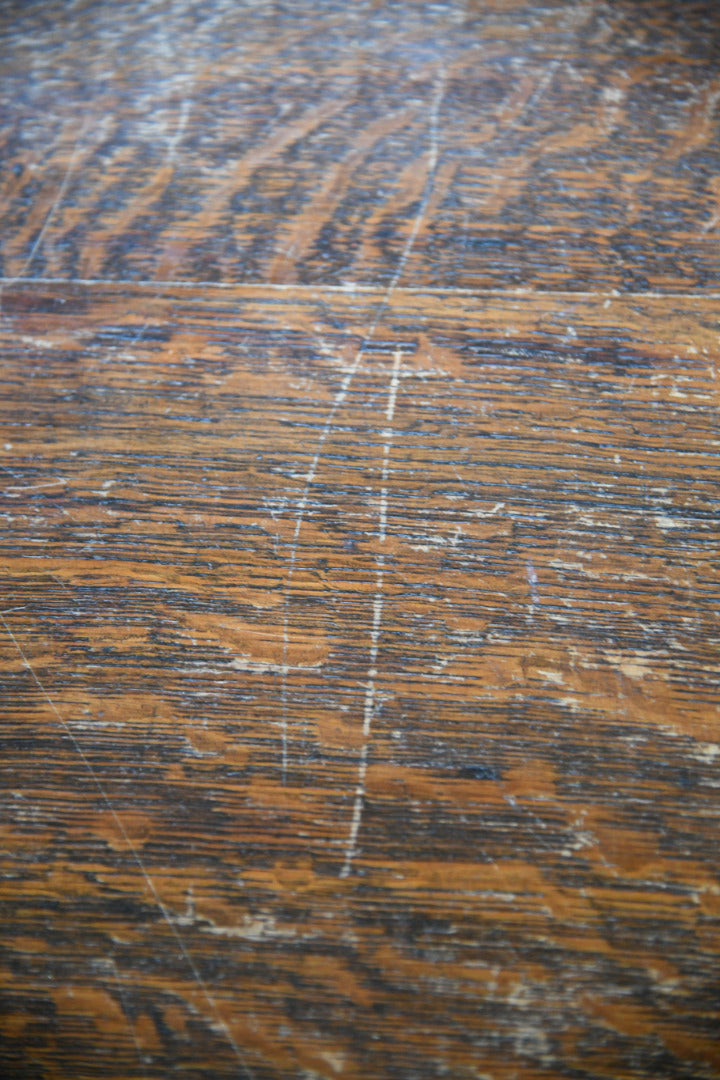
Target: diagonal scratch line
58	199
345	387
133	850
369	706
40	574
49	216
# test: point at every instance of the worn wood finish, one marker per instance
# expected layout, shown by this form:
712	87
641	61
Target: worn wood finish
486	633
359	577
577	143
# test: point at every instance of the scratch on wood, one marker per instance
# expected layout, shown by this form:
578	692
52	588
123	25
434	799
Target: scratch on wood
252	287
19	490
174	141
128	1017
58	199
533	583
39	575
210	1001
344	388
49	216
369	706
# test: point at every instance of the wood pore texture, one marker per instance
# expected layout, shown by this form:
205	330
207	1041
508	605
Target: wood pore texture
359	575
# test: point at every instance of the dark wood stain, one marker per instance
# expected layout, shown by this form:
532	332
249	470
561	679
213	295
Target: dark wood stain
359	589
578	143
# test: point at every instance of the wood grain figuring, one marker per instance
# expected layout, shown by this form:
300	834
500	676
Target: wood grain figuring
500	612
264	142
359	580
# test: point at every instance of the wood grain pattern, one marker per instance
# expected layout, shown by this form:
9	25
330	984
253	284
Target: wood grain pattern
359	580
269	142
533	891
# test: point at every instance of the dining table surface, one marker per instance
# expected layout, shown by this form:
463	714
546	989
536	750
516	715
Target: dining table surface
359	540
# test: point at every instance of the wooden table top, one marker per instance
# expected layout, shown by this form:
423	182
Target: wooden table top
359	576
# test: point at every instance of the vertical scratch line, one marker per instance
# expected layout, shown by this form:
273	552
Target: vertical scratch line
210	1001
342	393
369	706
126	1013
173	142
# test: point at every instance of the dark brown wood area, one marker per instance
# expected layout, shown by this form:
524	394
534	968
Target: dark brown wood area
359	543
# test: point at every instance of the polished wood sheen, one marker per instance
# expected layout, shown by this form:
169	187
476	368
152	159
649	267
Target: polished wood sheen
359	576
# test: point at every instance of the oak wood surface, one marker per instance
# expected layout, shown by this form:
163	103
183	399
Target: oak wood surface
359	576
577	143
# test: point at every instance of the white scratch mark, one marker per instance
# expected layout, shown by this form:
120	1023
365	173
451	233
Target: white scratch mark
366	290
220	1023
710	225
18	490
49	216
345	386
369	705
58	199
533	583
394	382
40	574
172	143
488	513
126	1013
542	86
